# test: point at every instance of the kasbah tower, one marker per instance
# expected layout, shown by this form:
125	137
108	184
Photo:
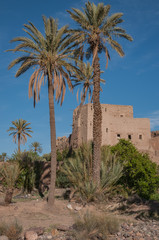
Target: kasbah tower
117	122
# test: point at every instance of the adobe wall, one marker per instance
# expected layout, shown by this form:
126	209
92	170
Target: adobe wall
117	121
79	130
154	143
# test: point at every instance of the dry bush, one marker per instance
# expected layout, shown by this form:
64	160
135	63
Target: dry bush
92	227
12	230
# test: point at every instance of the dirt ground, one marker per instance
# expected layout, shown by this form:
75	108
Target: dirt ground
34	213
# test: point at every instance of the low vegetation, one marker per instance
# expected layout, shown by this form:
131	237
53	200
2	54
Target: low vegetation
12	230
9	173
124	171
92	227
79	172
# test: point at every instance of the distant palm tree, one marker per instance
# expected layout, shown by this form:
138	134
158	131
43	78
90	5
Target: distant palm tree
20	130
36	147
96	32
50	56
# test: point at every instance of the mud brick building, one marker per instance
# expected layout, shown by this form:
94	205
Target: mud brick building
117	122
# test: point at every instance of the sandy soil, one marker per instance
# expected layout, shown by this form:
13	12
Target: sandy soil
34	213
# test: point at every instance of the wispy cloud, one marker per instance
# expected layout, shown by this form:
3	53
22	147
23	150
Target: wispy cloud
154	119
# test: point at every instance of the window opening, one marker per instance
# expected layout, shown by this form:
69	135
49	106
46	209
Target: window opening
106	129
140	136
129	137
118	136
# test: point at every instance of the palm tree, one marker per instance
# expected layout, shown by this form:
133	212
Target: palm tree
36	146
83	80
96	32
50	56
20	130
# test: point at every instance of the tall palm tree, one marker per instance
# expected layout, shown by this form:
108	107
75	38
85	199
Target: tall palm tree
96	32
50	56
20	130
36	147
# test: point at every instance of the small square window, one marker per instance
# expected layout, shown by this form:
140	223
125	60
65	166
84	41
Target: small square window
121	115
129	137
140	136
118	136
106	129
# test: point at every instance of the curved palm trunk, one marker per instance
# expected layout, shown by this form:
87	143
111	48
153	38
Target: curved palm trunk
18	142
97	121
53	144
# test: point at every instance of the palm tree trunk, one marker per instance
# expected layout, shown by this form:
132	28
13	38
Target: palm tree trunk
97	121
51	197
18	142
8	196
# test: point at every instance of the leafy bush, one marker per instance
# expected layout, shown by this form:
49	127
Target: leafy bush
92	227
140	173
12	230
31	167
62	180
79	172
46	157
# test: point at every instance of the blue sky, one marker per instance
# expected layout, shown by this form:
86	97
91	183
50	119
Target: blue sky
132	80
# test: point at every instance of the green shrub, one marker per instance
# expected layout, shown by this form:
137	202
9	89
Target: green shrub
11	230
140	173
92	227
62	180
79	172
31	167
155	197
46	157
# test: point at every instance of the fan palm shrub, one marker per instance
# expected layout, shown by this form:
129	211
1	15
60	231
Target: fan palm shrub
9	173
79	172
